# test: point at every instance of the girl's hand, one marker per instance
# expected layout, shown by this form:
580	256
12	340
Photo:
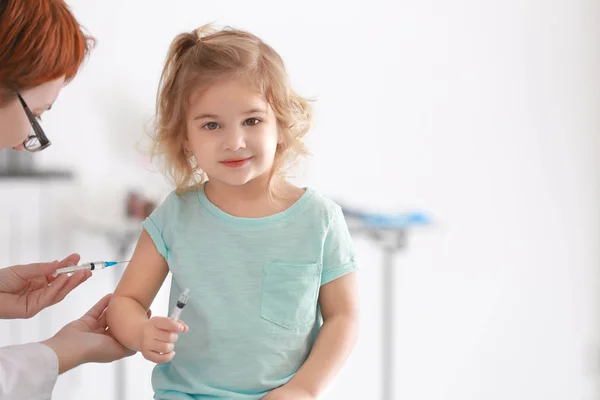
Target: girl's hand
158	339
289	392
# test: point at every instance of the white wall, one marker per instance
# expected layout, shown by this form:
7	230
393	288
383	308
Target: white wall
484	113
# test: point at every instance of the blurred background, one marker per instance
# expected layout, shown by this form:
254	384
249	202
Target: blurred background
485	114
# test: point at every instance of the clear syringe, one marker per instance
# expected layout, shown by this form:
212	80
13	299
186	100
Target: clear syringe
92	266
181	302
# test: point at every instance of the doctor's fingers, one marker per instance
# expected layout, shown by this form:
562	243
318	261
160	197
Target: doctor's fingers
58	290
74	280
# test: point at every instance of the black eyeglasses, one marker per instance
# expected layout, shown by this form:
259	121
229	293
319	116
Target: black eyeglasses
36	140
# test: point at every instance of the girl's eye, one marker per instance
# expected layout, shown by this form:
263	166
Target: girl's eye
211	126
252	121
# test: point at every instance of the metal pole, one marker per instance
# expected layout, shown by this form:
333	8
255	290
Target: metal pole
388	350
392	243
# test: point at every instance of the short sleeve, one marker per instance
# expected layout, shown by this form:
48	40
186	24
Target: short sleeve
338	249
158	222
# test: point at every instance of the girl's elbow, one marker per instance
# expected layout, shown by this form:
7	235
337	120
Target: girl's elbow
110	313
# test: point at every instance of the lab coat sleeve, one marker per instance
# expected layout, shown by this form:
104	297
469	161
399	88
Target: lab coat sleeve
27	371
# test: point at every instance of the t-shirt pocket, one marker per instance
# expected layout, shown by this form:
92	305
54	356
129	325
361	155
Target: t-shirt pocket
289	293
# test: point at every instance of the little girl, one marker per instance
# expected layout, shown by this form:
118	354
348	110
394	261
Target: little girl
272	311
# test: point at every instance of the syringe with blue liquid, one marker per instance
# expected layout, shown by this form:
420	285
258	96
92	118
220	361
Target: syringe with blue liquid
92	266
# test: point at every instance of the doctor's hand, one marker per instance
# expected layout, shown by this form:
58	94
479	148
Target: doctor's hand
87	340
25	290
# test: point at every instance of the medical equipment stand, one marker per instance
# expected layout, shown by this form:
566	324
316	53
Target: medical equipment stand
122	242
390	233
121	236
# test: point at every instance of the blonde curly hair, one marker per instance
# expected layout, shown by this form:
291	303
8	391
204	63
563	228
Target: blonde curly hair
202	57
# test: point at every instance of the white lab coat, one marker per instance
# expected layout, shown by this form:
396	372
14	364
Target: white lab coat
27	372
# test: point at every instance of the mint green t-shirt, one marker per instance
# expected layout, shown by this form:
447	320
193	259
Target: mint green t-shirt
254	284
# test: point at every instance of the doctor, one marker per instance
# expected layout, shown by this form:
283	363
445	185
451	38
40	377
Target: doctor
42	47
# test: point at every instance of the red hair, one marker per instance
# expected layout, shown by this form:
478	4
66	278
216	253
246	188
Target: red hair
41	41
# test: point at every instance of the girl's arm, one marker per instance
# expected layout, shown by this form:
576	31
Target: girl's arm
127	311
339	306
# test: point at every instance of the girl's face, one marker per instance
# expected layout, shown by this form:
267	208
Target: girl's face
232	132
